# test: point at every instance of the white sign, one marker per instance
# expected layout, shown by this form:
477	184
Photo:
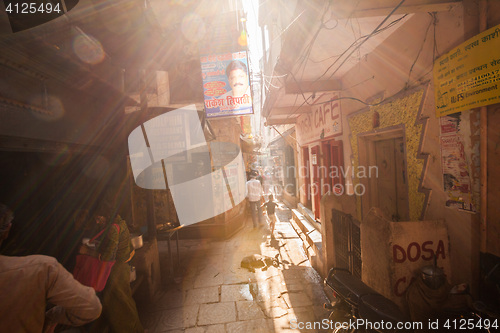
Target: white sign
322	122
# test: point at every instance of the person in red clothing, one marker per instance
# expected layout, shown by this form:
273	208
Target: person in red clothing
119	311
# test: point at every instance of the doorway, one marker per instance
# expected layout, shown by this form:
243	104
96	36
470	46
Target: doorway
333	163
383	173
305	174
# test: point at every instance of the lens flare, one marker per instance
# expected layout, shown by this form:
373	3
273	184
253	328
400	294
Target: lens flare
62	158
51	104
97	168
193	27
185	3
88	49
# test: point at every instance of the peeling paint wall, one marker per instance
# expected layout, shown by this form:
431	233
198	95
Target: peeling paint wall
411	245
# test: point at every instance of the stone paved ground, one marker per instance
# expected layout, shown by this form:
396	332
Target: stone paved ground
214	294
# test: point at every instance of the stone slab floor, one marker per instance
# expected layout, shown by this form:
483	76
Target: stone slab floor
212	293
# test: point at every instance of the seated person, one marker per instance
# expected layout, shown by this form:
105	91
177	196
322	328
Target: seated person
28	284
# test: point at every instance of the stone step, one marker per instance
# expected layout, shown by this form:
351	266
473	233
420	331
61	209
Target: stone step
309	215
310	236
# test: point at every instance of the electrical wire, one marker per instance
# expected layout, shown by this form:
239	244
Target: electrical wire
361	82
270	83
361	43
359	40
288	26
405	88
274	76
375	32
420	50
435	50
309	47
357	44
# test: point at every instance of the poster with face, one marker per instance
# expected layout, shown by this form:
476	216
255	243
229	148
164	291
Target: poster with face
226	84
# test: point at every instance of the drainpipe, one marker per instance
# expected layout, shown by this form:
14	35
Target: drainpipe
263	70
483	146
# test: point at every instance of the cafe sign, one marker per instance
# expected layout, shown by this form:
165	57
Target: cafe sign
324	121
469	76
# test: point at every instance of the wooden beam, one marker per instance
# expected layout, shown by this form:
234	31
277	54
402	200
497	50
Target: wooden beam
280	121
293	87
20	144
290	110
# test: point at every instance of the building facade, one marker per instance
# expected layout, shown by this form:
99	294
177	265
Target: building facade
413	178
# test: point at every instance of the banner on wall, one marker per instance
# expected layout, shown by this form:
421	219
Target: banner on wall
456	175
469	76
324	121
226	84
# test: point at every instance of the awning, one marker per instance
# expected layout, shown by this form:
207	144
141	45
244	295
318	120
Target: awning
282	136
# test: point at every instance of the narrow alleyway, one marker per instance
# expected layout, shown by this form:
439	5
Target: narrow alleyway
215	294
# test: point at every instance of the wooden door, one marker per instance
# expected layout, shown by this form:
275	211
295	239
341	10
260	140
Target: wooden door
333	163
316	180
401	180
306	173
337	162
392	193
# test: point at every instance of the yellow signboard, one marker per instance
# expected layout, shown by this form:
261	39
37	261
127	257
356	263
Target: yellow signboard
469	76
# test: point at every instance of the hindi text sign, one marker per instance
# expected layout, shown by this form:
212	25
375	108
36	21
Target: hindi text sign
226	84
469	76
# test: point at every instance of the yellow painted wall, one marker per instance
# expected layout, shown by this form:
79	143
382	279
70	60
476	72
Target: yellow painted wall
404	111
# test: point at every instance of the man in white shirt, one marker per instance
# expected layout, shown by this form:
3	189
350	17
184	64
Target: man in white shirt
254	194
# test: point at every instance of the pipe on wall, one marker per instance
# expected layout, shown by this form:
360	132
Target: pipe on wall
483	25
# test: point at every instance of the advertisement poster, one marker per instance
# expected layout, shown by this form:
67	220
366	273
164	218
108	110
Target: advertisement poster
322	122
226	84
456	176
469	76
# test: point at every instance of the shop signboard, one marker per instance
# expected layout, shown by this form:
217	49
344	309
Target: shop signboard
314	159
469	76
324	121
226	84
